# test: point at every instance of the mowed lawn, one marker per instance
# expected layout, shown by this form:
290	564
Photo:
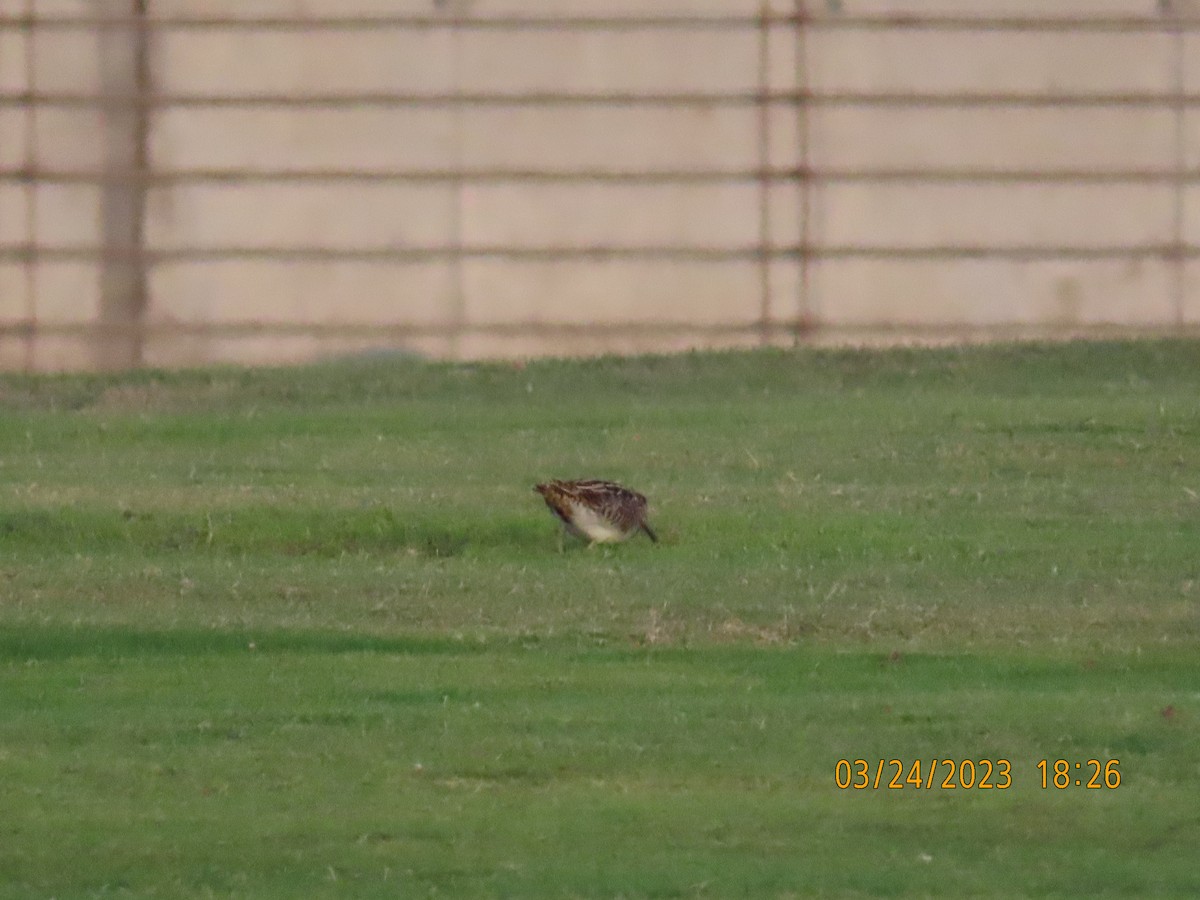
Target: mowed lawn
308	632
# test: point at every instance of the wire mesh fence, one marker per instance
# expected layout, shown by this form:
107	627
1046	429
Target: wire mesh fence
179	185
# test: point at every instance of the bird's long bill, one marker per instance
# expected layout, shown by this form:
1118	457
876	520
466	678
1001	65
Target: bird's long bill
649	533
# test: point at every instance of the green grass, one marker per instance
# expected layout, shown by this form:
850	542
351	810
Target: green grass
307	632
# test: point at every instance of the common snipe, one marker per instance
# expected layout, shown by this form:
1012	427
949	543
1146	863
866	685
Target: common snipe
600	512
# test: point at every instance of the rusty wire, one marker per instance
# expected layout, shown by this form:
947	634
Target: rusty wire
1156	23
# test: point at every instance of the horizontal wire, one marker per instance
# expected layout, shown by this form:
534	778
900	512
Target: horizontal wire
561	254
27	328
695	177
684	99
838	22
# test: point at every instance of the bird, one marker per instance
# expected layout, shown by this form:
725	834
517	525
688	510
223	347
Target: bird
600	512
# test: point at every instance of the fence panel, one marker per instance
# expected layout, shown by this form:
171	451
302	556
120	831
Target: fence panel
185	182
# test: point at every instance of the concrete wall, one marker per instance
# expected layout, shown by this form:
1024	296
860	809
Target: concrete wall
60	293
1087	215
873	266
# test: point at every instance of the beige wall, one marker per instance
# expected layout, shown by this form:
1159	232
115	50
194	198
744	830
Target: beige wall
483	306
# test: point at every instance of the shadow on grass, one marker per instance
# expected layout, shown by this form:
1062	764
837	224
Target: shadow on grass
23	643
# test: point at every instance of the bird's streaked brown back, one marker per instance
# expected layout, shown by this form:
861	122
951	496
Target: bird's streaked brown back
621	507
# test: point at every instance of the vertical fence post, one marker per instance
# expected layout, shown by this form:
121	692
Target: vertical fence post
1180	109
804	321
455	319
31	261
458	290
764	172
124	89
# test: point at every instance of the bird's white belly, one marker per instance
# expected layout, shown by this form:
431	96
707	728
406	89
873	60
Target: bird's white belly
594	527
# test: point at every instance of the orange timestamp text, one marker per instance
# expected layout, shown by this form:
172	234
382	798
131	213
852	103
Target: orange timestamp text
1091	774
923	774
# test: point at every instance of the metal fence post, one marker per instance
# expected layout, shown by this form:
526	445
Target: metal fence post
124	84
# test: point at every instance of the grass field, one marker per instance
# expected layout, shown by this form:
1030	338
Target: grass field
308	632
